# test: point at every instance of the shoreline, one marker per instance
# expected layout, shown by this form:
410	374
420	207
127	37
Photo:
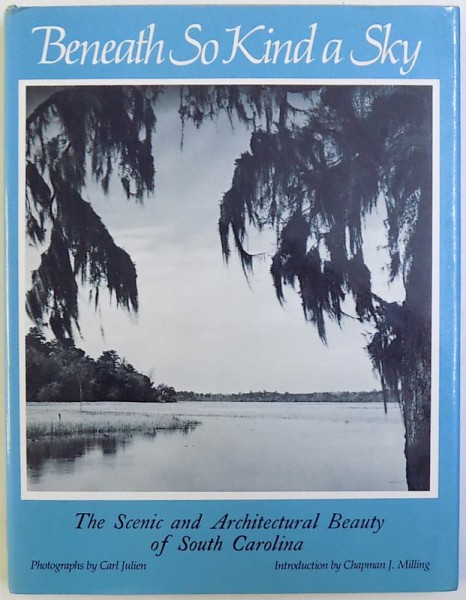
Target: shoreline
68	420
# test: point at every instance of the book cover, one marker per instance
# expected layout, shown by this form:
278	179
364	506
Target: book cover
232	299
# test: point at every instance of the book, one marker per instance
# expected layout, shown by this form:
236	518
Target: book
232	275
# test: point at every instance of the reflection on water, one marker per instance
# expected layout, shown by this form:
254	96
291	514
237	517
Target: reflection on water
66	449
247	447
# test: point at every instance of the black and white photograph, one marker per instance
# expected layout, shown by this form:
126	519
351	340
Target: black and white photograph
228	289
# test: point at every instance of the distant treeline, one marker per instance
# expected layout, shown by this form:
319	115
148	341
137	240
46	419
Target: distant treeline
374	396
61	372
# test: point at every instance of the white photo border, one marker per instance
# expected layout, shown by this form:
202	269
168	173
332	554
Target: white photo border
435	348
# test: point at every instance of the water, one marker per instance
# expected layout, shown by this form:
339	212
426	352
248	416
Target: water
239	447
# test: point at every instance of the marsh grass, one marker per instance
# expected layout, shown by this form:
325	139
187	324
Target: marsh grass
54	421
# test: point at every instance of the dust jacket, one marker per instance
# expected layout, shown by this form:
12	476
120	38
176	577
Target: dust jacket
232	298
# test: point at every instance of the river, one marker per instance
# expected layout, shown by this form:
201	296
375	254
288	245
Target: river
238	447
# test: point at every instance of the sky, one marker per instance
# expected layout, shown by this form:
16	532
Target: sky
201	324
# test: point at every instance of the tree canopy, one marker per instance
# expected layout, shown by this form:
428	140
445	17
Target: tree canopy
75	134
315	183
61	372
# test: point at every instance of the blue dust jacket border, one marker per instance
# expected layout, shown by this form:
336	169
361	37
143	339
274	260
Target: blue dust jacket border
375	44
